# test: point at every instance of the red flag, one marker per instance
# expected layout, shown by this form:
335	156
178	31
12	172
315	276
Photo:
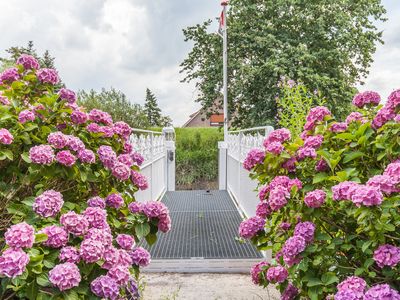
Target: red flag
221	23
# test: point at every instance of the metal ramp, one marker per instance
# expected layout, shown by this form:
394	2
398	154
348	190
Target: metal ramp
203	236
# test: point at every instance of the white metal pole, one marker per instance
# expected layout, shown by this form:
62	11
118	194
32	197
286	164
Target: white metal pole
225	63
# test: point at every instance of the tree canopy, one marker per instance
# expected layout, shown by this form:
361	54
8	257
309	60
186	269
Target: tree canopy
116	104
153	112
327	45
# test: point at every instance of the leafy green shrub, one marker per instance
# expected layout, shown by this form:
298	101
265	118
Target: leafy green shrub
294	104
330	205
197	157
67	183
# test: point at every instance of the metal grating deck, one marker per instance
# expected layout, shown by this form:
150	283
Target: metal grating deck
204	226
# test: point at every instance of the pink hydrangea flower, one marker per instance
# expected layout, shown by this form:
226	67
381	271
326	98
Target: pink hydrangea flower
348	295
125	241
164	224
313	141
57	139
91	251
107	156
137	158
316	114
263	210
10	75
385	183
344	190
278	197
67	95
279	135
93	127
293	247
87	156
121	171
140	257
393	170
3	99
263	192
99	116
105	287
387	255
75	144
315	198
25	116
96	217
393	100
254	157
353	283
275	148
66	158
368	97
96	202
69	254
28	62
21	235
277	274
113	256
251	227
381	292
126	159
321	165
155	209
49	76
57	237
383	116
114	200
122	129
355	117
285	226
304	152
6	138
135	207
338	127
120	274
366	195
100	235
79	117
65	276
306	230
107	131
290	164
48	204
74	223
290	292
139	180
42	154
256	271
13	262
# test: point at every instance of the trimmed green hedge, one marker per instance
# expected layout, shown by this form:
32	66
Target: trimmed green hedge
197	158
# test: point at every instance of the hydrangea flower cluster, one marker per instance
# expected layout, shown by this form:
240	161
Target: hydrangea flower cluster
69	254
251	227
387	255
49	76
74	223
366	98
105	287
21	235
140	257
42	154
67	95
315	116
26	116
277	274
256	271
57	237
315	198
388	112
125	241
6	138
28	62
114	200
158	210
13	262
139	180
99	116
96	202
254	157
65	276
10	75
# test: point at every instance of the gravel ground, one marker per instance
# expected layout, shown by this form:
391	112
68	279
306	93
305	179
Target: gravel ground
169	286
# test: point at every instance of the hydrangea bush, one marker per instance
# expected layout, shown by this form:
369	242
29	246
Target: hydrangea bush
330	204
67	182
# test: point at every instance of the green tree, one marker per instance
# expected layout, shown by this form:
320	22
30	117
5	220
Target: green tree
116	104
327	45
153	112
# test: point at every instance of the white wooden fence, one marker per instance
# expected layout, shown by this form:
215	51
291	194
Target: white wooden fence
158	150
232	176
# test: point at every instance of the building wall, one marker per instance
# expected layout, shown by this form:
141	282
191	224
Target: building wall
199	121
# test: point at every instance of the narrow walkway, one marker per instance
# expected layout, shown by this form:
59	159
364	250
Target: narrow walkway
203	236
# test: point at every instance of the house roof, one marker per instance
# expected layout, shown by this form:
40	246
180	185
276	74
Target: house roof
192	116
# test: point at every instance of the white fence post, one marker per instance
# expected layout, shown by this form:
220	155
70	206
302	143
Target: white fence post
222	164
170	162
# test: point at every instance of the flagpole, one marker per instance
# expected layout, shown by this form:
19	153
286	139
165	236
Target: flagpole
224	3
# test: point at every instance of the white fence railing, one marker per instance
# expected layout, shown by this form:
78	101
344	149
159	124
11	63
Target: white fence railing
158	150
232	176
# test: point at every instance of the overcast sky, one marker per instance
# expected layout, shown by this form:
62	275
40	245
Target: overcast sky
134	44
